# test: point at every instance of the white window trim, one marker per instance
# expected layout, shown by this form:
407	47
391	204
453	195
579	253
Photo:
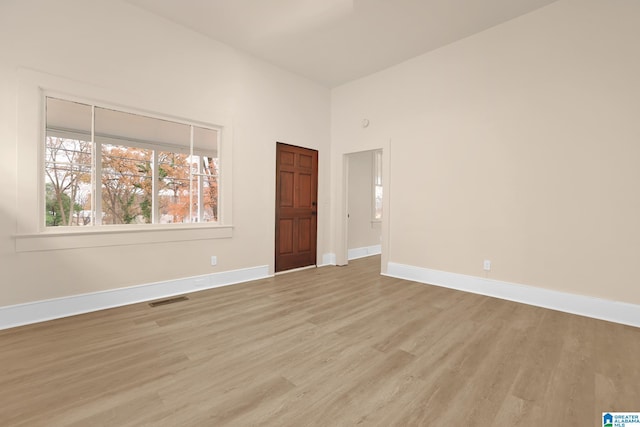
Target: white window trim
70	238
31	233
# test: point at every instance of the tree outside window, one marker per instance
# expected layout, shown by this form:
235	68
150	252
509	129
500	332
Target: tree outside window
104	166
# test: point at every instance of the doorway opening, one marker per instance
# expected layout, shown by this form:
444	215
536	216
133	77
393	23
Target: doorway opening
364	194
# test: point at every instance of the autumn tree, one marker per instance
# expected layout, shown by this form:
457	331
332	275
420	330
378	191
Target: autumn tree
181	176
210	168
173	171
126	184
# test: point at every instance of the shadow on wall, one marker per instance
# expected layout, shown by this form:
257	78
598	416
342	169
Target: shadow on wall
7	238
8	259
31	276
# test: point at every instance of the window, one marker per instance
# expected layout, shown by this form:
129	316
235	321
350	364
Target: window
103	166
377	186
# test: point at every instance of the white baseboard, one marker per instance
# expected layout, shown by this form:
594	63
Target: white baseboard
328	259
613	311
364	252
40	311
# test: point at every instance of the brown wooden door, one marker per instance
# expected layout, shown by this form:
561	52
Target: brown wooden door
296	206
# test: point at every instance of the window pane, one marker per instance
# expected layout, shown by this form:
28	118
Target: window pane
205	146
67	163
377	168
206	171
377	185
378	202
210	189
126	185
173	191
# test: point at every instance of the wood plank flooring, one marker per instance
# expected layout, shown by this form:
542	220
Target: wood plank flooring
333	346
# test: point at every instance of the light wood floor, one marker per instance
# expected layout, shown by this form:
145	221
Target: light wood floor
331	346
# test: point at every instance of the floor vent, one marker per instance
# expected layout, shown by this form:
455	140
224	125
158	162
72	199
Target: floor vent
168	301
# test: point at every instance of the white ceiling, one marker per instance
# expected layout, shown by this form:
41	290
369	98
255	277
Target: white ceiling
335	41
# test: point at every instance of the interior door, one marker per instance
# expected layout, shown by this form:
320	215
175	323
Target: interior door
296	206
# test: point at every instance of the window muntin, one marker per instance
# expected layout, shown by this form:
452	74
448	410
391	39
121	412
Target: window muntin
131	168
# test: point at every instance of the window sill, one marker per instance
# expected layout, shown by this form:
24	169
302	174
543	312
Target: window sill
118	236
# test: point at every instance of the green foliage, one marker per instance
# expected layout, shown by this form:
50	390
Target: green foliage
128	210
145	207
55	216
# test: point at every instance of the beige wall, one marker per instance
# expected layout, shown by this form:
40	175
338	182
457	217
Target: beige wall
362	231
157	66
520	144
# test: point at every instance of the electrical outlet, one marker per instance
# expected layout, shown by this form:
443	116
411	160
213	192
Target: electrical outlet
214	260
487	265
